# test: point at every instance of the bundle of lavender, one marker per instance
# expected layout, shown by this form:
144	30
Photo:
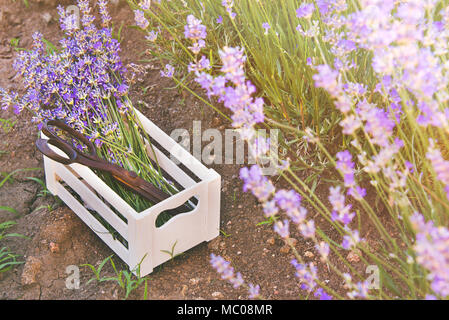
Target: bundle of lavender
84	84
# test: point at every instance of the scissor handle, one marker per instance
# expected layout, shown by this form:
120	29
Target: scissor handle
71	132
42	145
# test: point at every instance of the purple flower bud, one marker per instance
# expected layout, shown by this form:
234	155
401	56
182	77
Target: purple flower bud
141	21
168	72
305	10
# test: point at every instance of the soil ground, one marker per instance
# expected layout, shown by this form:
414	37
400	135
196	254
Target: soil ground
57	238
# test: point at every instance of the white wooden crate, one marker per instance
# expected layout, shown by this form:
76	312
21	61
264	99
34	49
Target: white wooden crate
144	240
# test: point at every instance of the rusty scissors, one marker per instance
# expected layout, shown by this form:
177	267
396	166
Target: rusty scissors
90	159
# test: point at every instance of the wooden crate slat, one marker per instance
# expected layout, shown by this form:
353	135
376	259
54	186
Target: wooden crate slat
92	223
93	201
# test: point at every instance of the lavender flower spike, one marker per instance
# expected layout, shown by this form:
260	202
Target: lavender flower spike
141	21
305	10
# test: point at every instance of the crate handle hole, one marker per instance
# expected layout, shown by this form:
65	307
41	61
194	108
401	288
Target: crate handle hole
188	206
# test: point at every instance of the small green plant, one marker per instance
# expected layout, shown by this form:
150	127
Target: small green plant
44	192
118	35
224	233
97	271
171	253
25	2
8	177
7	258
9	209
14	43
5	225
7	124
124	278
49	207
270	220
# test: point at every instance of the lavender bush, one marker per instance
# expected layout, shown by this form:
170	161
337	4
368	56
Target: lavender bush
382	65
85	84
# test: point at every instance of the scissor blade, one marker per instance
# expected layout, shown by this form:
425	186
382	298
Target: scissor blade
151	193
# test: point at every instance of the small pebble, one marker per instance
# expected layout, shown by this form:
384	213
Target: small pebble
271	241
217	295
285	249
184	290
309	254
47	17
54	247
353	257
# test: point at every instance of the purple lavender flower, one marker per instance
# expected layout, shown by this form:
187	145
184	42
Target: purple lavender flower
324	6
282	228
307	229
288	200
145	4
323	295
305	10
237	280
139	18
219	20
345	46
266	26
409	166
197	46
440	166
346	167
194	30
221	265
307	274
67	23
168	72
235	92
341	212
378	123
226	271
256	182
105	17
351	239
328	79
323	249
361	290
86	19
228	4
203	64
224	268
350	124
432	252
254	291
270	208
233	60
151	36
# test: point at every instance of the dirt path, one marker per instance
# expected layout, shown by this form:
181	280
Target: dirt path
57	238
